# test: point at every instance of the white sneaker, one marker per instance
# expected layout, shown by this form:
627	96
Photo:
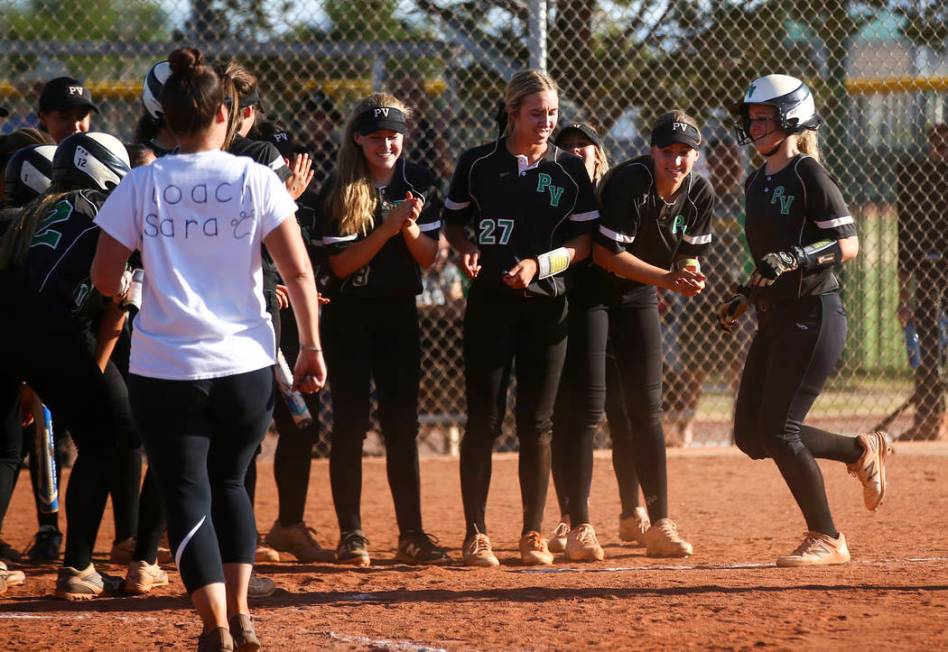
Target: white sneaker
870	468
633	528
557	540
663	540
141	577
534	551
582	545
817	549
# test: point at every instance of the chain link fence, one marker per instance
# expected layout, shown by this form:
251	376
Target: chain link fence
879	71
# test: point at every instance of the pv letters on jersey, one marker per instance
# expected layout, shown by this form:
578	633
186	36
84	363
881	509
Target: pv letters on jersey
785	200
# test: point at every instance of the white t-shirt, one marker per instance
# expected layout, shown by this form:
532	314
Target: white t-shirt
199	220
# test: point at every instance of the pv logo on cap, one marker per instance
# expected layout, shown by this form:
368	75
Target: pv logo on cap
75	90
383	112
281	137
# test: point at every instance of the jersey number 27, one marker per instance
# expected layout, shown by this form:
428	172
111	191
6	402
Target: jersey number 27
488	227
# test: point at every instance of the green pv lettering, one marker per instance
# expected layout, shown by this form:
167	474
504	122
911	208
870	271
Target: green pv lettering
785	200
544	183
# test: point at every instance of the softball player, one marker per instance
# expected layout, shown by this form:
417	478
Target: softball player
201	380
581	396
28	173
379	222
656	221
531	207
798	228
52	345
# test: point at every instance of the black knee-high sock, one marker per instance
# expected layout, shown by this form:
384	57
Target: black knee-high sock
475	482
534	465
830	446
802	475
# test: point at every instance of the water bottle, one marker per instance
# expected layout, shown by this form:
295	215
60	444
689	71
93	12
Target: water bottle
294	400
133	298
911	345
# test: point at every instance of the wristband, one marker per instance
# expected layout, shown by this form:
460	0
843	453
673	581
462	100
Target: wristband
819	255
688	262
553	262
314	349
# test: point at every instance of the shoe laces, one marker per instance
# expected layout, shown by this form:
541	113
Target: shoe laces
668	528
478	544
808	546
423	540
561	530
586	535
354	539
533	540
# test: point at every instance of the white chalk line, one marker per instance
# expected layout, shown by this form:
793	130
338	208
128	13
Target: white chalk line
22	615
383	643
722	567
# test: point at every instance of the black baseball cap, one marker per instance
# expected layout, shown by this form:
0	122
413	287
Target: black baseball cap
64	93
583	128
676	127
283	140
379	118
3	112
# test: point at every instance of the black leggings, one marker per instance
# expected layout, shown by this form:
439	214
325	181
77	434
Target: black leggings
380	339
930	305
200	436
580	403
637	340
61	369
794	351
623	461
498	330
294	451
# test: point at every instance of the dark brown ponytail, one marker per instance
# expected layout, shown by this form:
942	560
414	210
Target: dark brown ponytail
193	93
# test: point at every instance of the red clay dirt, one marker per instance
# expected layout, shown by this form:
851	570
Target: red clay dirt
737	513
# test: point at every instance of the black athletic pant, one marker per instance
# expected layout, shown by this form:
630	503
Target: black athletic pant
127	475
200	436
293	458
623	461
795	349
10	441
380	339
54	357
930	305
501	330
580	403
637	340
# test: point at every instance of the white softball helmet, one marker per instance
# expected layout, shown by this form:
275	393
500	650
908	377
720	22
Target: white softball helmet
151	89
796	110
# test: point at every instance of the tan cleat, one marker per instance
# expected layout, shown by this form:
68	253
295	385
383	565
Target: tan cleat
557	540
533	550
141	577
73	584
265	552
633	528
870	468
582	545
300	541
817	549
477	552
11	577
662	540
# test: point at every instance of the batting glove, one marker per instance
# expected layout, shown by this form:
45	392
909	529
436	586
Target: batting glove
776	263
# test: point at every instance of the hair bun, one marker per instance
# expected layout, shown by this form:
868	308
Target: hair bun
183	61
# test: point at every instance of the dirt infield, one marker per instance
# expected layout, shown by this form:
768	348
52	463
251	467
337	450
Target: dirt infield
737	513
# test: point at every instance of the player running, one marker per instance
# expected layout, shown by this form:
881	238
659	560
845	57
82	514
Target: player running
798	228
531	206
656	222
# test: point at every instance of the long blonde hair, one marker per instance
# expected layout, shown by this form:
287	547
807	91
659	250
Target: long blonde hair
522	84
352	199
15	243
808	144
602	165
